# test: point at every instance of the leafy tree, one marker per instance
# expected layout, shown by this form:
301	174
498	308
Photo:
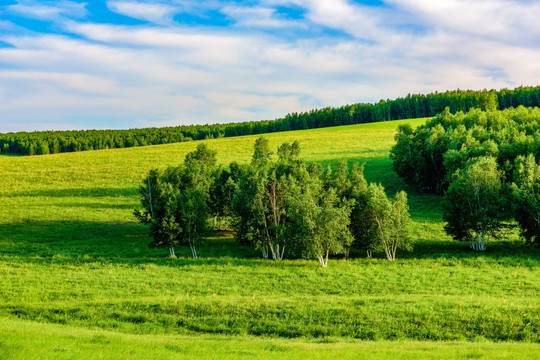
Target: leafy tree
158	211
260	202
243	211
191	216
404	153
526	197
390	220
473	203
339	179
321	221
221	196
261	153
362	227
270	203
175	202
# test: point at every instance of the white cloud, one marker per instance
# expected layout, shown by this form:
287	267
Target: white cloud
500	20
153	12
52	10
258	17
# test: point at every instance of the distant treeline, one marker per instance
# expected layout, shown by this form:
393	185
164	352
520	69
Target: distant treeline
411	106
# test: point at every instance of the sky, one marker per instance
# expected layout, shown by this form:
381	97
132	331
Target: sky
129	64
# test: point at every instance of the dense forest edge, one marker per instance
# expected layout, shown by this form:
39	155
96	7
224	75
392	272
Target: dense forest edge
411	106
486	163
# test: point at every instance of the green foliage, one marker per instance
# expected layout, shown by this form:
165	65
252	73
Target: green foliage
261	201
362	226
389	220
175	202
474	156
428	156
222	195
313	213
261	153
526	197
474	203
320	221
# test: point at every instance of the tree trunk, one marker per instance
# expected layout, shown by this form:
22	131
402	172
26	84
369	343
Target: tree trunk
264	251
171	252
369	254
483	242
321	260
193	250
151	203
326	260
276	254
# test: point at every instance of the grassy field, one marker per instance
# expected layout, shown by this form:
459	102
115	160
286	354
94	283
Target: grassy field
77	277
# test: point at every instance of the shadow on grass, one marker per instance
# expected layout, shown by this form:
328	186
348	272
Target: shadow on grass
89	205
80	192
502	251
127	243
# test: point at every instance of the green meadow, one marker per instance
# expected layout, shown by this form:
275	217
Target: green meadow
77	279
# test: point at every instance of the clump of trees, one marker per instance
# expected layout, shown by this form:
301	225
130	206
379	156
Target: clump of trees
279	205
411	106
485	164
175	201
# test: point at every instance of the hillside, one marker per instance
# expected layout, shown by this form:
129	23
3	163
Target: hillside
74	263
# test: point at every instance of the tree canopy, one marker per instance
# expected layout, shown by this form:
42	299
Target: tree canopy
485	162
277	204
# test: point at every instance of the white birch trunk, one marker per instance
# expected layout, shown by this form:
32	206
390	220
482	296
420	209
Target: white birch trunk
193	250
483	243
321	260
264	251
276	253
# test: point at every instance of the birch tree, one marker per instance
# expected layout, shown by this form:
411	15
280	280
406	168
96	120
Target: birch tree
320	221
473	208
261	200
175	202
221	196
390	220
362	227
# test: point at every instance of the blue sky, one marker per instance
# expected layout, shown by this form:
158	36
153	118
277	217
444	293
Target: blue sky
123	64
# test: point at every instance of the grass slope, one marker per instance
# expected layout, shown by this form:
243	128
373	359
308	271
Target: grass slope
71	253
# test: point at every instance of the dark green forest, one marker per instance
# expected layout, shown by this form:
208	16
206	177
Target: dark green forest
411	106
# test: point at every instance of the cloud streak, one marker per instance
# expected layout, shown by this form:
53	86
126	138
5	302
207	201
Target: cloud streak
152	12
48	10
